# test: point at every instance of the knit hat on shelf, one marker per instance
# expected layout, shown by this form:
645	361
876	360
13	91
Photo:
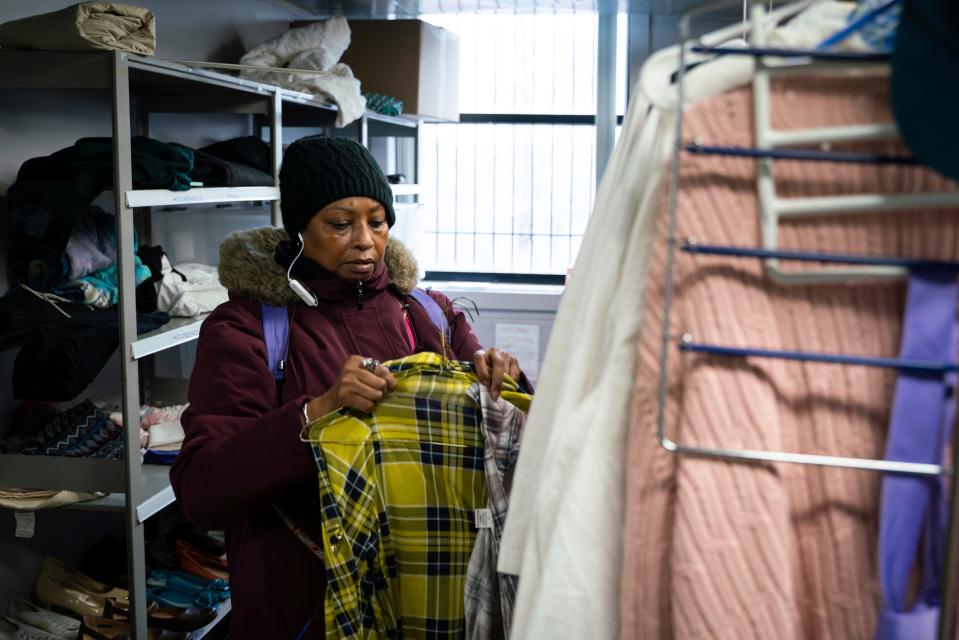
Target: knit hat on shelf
318	171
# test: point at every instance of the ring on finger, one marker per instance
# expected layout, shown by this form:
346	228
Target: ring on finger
370	364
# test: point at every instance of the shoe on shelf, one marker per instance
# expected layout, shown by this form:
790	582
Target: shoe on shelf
11	629
199	564
172	618
199	539
65	597
57	569
191	584
29	613
177	599
180	619
103	629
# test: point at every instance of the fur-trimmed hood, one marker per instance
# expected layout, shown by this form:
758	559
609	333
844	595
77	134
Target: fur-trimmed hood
248	268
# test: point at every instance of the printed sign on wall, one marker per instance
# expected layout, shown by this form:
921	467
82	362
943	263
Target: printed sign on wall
522	340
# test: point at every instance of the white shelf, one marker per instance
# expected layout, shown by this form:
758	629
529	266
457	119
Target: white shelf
225	607
406	189
156	488
200	195
174	333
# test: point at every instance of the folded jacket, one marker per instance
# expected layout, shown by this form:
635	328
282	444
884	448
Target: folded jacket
247	150
216	172
65	356
83	26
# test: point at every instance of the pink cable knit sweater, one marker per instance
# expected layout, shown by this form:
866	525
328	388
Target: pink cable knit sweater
715	549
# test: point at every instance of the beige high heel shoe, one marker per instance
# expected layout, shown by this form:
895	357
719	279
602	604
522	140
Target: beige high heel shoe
57	569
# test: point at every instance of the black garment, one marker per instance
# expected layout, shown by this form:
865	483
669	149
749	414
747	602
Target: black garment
51	192
216	172
64	357
21	313
247	150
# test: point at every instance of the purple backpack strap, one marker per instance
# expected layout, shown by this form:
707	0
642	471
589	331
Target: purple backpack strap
276	331
432	308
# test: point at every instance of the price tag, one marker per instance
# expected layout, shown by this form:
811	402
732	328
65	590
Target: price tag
484	518
26	523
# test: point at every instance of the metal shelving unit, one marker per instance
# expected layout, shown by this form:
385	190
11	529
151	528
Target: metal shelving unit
139	86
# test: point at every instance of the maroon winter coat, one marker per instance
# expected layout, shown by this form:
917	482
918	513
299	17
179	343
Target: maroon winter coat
242	450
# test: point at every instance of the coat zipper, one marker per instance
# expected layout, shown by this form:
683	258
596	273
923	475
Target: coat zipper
359	294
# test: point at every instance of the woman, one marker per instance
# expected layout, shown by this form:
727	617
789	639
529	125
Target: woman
345	287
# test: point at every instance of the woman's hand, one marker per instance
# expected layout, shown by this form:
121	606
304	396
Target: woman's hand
491	365
355	388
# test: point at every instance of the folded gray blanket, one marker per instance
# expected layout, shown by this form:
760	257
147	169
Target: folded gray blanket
84	26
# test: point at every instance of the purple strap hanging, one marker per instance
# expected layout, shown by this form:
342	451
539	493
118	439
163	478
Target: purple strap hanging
276	330
433	310
913	509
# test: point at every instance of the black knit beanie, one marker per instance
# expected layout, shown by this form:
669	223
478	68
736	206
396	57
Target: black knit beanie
318	171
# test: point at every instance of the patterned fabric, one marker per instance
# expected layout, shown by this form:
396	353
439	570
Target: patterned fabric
490	595
398	491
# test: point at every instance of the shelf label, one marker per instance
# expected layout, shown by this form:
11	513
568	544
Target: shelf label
26	523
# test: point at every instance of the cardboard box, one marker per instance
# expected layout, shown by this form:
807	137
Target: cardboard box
410	60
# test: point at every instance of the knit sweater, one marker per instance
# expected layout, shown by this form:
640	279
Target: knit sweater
717	549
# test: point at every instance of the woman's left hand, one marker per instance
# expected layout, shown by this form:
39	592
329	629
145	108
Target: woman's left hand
491	365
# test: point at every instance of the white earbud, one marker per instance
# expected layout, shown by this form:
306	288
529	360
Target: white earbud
305	294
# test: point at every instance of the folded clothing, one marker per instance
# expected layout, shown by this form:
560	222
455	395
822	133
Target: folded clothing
190	289
154	456
217	172
318	46
84	26
64	357
247	150
36	499
52	192
81	431
91	253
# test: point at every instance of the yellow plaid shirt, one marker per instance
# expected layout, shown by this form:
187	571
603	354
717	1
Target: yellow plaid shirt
398	491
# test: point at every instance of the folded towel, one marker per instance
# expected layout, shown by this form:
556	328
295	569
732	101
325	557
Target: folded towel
83	26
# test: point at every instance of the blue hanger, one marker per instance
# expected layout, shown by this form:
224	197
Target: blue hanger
826	56
691	246
902	364
814	155
857	25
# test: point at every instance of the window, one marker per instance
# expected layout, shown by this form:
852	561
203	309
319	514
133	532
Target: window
509	189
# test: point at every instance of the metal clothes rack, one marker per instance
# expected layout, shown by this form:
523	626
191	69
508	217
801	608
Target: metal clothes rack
793	62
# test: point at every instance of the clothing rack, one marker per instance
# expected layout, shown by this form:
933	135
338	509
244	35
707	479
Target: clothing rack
770	209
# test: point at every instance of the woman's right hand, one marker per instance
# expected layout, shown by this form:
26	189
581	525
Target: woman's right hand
355	388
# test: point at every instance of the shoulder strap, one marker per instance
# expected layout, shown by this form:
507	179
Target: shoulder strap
276	330
433	310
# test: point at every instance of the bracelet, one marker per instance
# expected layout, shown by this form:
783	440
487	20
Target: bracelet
306	415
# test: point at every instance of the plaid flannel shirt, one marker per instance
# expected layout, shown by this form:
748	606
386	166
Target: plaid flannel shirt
398	491
490	595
